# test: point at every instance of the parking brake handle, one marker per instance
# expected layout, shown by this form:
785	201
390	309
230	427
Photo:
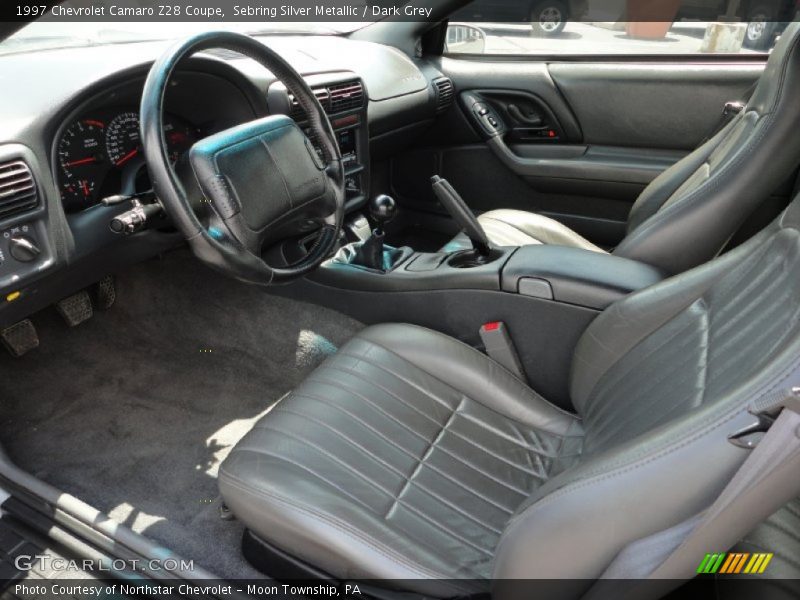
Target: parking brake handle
459	210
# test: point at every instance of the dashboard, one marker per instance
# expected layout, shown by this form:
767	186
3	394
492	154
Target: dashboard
70	138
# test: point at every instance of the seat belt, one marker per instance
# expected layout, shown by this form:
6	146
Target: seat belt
767	480
729	111
497	342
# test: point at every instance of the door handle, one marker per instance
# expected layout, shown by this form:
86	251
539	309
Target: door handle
530	120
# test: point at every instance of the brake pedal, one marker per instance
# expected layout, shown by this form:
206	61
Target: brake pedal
105	293
20	338
76	309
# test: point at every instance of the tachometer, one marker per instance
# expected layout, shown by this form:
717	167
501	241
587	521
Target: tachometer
122	138
180	136
82	157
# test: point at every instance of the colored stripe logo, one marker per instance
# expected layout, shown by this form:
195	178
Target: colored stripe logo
735	562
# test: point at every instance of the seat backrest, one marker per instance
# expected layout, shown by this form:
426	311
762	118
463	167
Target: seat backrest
660	379
688	213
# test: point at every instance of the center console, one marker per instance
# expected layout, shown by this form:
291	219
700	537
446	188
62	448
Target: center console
554	273
574	276
558	274
352	137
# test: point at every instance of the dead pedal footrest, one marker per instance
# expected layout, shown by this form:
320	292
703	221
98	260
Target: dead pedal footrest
20	338
76	308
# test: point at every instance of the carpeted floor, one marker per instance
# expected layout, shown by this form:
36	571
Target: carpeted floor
134	410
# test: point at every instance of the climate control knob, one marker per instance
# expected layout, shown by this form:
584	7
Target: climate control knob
23	248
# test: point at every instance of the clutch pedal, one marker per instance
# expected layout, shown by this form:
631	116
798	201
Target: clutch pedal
20	338
76	308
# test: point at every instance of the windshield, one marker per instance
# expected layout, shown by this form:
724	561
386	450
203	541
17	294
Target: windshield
52	33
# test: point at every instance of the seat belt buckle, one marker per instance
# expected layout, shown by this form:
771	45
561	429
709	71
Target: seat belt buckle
749	436
498	345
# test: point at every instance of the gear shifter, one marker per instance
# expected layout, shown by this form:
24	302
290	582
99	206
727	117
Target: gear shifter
382	209
370	254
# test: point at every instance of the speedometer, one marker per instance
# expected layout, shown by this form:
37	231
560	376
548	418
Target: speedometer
122	138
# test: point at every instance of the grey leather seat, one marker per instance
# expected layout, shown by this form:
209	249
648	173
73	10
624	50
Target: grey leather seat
409	455
688	213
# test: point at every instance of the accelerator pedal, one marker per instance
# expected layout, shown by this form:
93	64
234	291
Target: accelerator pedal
105	293
20	338
76	308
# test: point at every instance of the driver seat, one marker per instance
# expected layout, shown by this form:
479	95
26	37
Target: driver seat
413	457
686	215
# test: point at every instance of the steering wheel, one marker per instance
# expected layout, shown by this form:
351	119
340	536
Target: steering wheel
263	180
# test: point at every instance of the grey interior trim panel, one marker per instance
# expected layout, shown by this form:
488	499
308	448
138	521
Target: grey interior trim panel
596	163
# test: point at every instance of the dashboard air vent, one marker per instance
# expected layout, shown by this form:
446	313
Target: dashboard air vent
17	188
337	98
298	114
444	93
346	96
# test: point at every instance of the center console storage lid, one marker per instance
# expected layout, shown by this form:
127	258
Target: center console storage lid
574	275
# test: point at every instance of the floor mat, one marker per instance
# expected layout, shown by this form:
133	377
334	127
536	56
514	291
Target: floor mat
134	410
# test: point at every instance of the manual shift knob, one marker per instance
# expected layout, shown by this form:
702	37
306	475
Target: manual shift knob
382	209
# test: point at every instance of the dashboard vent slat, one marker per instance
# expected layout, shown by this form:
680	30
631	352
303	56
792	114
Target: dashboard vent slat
444	93
297	112
346	96
17	188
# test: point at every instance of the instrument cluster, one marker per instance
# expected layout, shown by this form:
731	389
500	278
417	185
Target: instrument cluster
100	154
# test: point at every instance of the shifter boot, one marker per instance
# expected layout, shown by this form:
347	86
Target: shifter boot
370	253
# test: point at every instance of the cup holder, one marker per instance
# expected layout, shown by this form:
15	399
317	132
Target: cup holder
469	259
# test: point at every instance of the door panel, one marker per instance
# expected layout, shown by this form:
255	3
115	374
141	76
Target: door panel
615	127
650	105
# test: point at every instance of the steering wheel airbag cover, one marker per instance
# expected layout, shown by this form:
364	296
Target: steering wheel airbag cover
267	162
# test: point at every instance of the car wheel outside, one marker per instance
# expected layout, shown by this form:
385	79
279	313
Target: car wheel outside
548	18
760	29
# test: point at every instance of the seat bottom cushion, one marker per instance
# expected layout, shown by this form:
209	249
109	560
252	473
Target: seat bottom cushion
401	457
506	227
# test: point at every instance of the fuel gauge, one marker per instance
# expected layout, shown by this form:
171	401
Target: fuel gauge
77	194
